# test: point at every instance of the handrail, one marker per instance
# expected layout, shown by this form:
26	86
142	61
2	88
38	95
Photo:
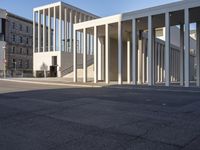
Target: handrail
79	66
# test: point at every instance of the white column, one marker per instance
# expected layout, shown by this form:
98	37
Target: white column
128	60
139	59
84	55
107	42
34	32
134	52
167	49
95	55
158	64
60	28
49	29
101	58
181	54
54	33
71	28
75	57
143	59
198	53
162	64
44	30
150	49
65	28
119	53
187	48
155	61
39	30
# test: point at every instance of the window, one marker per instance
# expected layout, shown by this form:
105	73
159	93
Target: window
27	29
20	27
13	38
14	63
21	39
20	63
27	41
20	51
27	64
13	50
13	25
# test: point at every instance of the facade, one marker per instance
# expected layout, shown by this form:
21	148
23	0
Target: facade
16	55
129	48
53	38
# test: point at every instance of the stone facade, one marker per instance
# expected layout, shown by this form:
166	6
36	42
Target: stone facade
18	35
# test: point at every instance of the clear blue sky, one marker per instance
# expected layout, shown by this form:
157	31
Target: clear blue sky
98	7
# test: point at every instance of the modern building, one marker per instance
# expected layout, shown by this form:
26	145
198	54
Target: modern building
53	38
153	46
16	54
127	47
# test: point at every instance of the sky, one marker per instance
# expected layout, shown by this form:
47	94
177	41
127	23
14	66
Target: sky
98	7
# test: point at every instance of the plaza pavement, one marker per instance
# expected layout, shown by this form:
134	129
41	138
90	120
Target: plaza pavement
55	117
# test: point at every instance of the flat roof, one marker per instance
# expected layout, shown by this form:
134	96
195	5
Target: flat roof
65	4
171	7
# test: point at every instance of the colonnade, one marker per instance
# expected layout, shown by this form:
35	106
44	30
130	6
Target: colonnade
159	63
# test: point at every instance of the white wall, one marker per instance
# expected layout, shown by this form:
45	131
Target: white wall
45	59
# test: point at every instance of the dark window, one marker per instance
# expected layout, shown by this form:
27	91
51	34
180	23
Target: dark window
13	38
27	29
21	39
14	63
20	50
27	41
20	63
20	27
13	25
27	64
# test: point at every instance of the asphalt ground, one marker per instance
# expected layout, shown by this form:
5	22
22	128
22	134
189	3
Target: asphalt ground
50	117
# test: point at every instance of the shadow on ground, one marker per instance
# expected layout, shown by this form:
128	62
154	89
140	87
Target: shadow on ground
99	119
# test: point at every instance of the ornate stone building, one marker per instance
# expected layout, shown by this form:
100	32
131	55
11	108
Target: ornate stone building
16	36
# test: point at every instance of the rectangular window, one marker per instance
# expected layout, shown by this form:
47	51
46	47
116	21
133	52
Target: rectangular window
20	27
20	51
27	29
14	63
13	25
27	41
20	63
13	38
21	39
13	50
27	64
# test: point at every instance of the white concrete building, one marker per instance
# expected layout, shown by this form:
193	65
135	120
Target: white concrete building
151	46
53	37
127	47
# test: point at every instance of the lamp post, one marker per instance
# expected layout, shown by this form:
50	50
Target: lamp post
4	61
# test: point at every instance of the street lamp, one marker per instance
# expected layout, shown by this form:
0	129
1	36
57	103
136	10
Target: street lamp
4	61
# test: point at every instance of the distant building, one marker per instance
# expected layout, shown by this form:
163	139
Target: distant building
16	34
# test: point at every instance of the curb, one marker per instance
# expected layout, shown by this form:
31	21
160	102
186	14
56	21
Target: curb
50	83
